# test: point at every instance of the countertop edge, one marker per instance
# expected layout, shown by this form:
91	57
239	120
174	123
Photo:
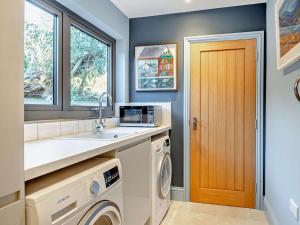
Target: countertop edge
44	169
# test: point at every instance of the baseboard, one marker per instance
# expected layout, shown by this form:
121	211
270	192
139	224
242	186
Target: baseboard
177	194
269	213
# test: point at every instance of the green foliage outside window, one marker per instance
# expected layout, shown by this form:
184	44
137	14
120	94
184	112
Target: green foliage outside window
89	63
38	55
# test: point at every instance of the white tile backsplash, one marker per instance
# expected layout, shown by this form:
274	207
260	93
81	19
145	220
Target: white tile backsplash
85	125
48	130
30	131
109	122
68	127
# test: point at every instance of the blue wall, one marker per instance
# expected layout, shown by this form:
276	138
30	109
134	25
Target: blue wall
282	132
172	29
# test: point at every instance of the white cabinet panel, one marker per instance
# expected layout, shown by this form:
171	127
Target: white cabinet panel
11	113
136	165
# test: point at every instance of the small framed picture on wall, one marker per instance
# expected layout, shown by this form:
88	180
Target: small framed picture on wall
156	67
287	13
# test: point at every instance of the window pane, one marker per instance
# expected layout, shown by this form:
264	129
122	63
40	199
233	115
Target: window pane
39	55
89	68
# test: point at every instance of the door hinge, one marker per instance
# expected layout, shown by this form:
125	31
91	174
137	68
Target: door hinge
256	124
256	188
257	56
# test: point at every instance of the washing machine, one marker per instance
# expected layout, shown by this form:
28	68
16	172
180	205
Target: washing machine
89	193
161	178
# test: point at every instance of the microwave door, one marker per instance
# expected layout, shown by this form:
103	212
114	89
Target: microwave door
132	116
135	118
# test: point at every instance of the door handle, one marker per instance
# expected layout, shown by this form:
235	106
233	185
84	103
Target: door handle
296	90
195	123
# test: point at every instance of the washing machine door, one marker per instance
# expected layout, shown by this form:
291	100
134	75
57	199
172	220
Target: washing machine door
165	176
102	213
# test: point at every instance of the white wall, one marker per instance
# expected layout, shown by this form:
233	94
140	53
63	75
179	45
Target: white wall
282	132
106	16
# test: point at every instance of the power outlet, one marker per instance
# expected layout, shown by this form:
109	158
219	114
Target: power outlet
294	208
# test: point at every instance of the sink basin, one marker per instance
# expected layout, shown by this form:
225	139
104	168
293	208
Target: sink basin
105	136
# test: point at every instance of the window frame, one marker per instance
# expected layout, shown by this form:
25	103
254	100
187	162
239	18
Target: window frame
57	56
63	109
86	27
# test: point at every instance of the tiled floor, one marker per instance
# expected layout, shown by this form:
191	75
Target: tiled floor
186	213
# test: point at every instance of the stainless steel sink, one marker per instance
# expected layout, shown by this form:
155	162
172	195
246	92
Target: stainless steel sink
105	136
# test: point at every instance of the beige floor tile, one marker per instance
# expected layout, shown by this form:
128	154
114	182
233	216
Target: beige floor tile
187	213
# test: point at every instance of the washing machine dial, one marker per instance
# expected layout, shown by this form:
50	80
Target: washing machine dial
95	187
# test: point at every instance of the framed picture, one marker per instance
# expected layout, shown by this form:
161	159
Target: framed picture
156	67
287	14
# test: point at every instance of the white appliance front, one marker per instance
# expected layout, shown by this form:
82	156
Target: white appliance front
91	197
136	163
161	178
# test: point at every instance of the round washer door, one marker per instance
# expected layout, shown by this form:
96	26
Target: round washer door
165	176
102	213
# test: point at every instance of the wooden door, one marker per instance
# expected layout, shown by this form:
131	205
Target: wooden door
223	123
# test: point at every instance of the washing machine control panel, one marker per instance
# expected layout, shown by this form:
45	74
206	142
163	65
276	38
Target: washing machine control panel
111	176
95	187
100	181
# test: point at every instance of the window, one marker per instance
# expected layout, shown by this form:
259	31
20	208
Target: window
68	62
39	55
89	68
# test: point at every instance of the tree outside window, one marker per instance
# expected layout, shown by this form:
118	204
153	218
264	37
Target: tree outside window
89	68
39	59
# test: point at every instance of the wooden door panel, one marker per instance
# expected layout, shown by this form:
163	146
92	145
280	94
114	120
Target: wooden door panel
230	116
212	119
222	197
221	120
204	117
239	121
250	136
195	160
223	91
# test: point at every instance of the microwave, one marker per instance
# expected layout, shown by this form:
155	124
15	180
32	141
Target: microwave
140	116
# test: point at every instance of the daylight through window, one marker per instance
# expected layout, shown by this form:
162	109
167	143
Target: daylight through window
89	68
39	57
68	63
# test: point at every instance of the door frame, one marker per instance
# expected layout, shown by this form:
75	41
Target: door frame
259	36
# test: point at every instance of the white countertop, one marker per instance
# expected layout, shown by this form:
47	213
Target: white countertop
45	156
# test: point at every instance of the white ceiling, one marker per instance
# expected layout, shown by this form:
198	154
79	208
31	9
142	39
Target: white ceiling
142	8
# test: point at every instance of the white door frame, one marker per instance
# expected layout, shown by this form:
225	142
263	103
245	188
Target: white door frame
259	36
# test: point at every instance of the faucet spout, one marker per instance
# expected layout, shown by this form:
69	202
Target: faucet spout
100	124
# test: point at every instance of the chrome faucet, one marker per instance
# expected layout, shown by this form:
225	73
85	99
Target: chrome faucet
100	123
